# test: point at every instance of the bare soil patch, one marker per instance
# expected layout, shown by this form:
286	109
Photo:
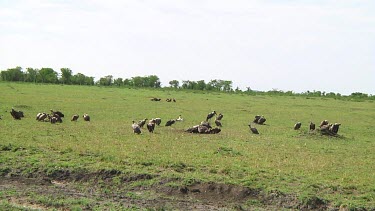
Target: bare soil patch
99	189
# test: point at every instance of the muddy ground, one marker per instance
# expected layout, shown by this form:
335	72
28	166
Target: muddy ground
100	191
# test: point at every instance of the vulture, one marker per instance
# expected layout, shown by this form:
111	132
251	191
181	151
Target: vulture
53	119
210	115
312	126
170	122
41	116
215	130
325	129
324	122
179	119
218	123
193	129
136	128
38	115
86	117
57	118
74	117
220	116
203	129
16	114
261	120
157	121
155	99
257	117
335	128
151	125
253	129
207	124
297	126
53	113
141	123
174	100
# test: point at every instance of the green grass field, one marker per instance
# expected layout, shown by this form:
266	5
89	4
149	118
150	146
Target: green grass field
339	170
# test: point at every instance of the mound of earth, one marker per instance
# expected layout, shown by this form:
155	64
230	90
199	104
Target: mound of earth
109	189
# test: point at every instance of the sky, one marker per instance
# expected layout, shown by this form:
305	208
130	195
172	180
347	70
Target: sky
287	45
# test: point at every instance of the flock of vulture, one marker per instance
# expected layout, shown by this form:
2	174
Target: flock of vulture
53	117
325	127
204	127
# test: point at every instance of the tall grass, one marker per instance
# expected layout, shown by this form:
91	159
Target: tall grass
340	169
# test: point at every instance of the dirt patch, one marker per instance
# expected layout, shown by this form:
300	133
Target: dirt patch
113	189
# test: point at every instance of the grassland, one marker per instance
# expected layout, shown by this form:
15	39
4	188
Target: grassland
304	167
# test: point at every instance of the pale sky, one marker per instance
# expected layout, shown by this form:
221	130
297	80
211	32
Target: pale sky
289	45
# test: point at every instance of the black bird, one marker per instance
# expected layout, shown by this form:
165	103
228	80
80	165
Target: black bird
136	128
141	123
170	122
86	117
220	116
16	114
210	115
151	125
53	113
74	117
324	122
157	121
253	129
218	123
261	120
335	128
297	126
312	126
256	118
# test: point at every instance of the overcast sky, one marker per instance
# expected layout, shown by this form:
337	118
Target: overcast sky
325	45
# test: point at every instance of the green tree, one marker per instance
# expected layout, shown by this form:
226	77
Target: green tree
47	75
118	82
227	86
66	75
89	80
79	79
128	82
200	85
174	83
31	74
13	74
106	80
138	81
153	81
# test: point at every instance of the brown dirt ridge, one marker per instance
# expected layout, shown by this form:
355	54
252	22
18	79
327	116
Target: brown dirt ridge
101	188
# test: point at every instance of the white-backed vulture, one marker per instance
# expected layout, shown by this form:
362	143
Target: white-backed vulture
74	117
170	122
141	123
210	115
253	129
86	117
136	128
151	125
297	126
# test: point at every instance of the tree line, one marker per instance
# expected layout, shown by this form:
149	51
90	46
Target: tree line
66	76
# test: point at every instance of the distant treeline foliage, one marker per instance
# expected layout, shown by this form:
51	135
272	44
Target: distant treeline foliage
48	75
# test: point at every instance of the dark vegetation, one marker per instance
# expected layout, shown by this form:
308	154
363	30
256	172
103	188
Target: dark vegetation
66	76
